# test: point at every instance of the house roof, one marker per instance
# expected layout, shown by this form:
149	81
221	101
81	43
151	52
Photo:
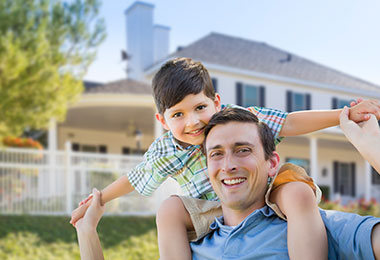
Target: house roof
123	86
246	54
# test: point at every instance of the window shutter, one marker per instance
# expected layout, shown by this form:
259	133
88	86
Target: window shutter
334	103
75	147
102	149
336	177
262	96
239	93
353	190
308	101
215	84
289	100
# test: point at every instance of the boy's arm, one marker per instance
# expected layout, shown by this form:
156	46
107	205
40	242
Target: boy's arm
116	189
303	122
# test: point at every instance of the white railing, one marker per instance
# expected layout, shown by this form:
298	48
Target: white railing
43	182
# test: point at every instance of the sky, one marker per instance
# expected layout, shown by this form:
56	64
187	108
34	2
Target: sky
341	34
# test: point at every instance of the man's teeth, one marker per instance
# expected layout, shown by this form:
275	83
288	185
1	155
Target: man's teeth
233	181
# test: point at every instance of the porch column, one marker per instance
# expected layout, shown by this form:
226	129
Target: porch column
52	148
367	179
158	130
314	158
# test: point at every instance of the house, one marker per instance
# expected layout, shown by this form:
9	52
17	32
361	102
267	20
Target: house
119	117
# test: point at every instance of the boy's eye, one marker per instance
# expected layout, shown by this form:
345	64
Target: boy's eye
201	107
176	115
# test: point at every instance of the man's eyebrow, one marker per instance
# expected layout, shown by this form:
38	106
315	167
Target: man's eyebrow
244	143
218	146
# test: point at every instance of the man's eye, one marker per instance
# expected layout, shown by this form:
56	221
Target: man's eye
201	107
244	150
176	115
215	154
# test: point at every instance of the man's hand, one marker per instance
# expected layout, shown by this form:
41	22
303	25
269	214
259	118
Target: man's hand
93	214
79	212
365	136
362	110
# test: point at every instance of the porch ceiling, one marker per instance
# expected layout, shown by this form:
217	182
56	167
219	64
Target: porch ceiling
115	119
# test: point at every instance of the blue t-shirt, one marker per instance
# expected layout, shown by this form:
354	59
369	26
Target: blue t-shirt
263	235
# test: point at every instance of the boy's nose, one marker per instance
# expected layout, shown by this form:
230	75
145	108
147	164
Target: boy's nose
193	120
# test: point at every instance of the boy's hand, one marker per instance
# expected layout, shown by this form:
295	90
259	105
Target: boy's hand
355	102
79	212
361	111
94	212
85	200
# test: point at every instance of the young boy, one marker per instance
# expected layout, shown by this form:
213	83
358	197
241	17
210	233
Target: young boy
186	100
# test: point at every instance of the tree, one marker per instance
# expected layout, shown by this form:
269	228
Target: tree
46	47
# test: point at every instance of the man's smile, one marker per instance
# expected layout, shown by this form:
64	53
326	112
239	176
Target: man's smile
234	181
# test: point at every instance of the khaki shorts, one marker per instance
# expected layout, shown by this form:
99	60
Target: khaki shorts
203	212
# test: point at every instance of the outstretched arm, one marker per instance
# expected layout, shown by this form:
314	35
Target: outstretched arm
303	122
364	136
88	239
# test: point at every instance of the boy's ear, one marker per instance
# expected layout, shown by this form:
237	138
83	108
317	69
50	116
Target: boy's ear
274	161
217	103
161	119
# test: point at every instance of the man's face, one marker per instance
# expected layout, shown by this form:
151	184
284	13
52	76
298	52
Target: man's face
237	166
188	118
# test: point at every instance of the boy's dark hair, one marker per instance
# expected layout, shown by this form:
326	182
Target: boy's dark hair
178	78
242	115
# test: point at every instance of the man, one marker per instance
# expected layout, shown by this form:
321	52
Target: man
240	160
241	157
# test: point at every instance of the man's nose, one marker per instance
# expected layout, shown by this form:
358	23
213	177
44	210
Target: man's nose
229	164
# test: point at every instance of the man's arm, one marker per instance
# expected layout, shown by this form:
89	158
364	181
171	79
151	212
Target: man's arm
88	239
375	240
303	122
364	136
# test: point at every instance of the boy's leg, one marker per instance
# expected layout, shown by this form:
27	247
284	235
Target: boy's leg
173	222
307	237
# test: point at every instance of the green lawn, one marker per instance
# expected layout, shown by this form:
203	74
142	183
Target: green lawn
51	238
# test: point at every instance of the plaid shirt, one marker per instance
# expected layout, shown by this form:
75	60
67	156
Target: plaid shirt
166	158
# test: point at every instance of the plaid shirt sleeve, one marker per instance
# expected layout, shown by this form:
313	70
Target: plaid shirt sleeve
160	161
274	118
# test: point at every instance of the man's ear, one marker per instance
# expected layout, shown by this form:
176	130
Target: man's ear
274	161
161	119
217	102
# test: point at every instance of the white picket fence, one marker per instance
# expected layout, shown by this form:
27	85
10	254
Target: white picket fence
44	182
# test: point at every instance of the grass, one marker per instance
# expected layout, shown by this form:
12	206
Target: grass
53	238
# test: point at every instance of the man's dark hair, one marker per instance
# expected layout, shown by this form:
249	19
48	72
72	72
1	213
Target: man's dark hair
242	115
178	78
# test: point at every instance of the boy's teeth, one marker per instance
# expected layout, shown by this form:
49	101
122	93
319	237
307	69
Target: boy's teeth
233	181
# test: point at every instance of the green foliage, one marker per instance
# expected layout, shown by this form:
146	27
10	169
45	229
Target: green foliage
46	47
53	238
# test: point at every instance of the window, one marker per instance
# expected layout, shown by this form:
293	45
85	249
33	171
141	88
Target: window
344	178
89	148
375	177
126	150
304	163
297	101
250	95
340	103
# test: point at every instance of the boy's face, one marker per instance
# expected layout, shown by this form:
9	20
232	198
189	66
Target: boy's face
188	118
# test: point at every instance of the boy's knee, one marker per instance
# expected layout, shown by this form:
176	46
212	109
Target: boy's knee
300	194
170	210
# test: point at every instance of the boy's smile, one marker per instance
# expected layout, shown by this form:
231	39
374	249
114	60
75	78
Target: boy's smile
188	118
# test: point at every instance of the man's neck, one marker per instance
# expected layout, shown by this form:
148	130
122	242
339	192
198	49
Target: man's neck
233	217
